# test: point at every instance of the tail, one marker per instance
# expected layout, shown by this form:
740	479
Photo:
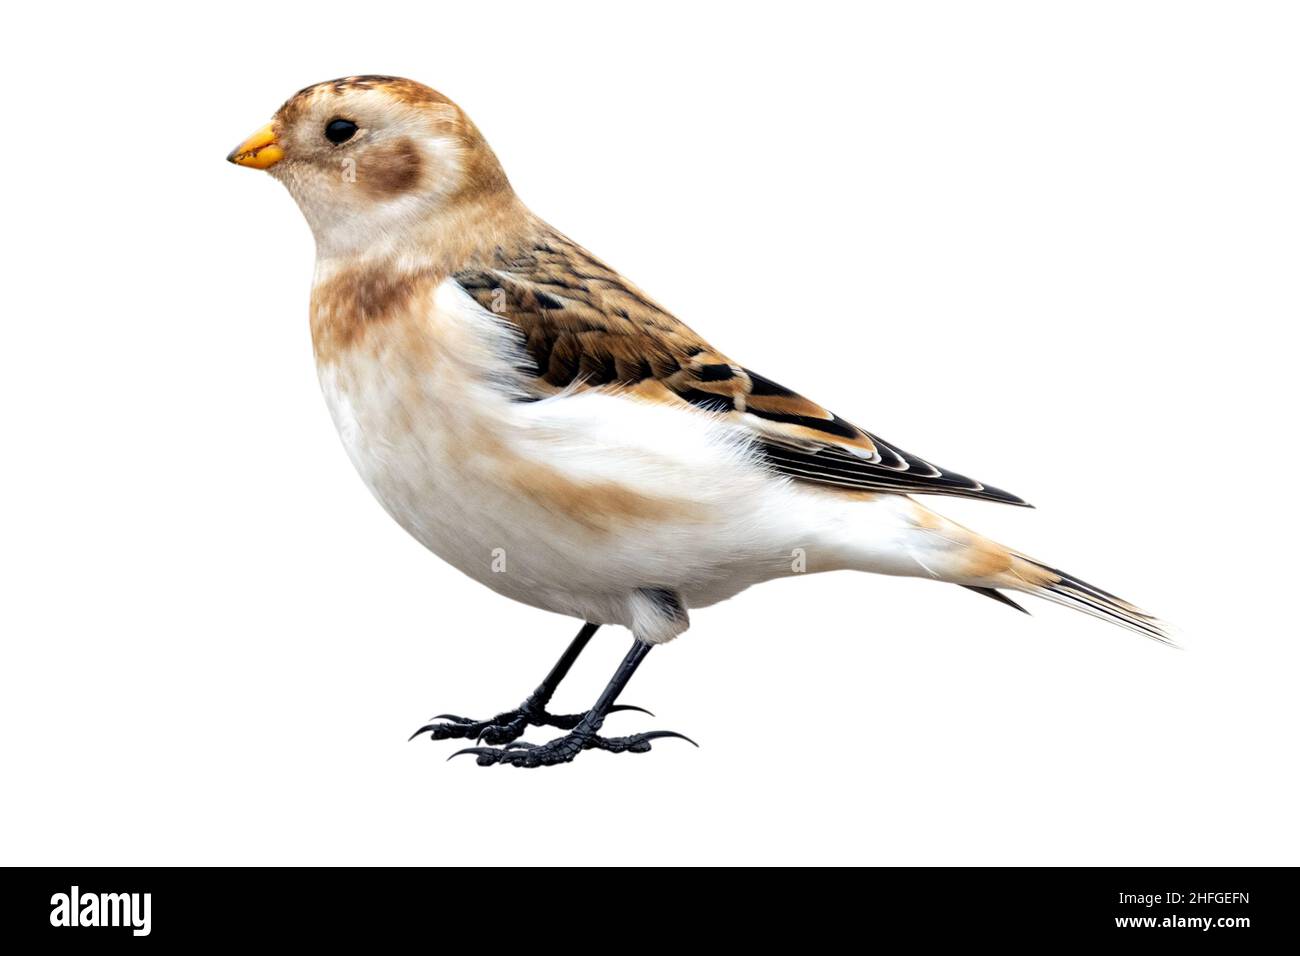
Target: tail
1033	577
893	534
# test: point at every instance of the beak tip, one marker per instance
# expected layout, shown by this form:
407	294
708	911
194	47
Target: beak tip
259	151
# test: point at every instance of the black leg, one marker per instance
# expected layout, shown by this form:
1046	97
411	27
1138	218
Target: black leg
507	726
542	696
584	736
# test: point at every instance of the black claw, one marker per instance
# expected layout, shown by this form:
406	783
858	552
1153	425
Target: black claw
498	730
486	755
629	707
657	734
448	731
637	743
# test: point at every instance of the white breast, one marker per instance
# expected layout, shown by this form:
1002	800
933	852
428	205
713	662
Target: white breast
416	407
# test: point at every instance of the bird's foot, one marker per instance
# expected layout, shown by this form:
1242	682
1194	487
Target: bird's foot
563	749
506	726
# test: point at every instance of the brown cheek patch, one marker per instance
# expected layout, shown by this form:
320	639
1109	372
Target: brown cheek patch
390	169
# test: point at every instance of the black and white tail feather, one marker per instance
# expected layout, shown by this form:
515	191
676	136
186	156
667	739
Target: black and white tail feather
1082	596
1072	592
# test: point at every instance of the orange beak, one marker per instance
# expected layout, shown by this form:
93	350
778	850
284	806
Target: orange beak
260	151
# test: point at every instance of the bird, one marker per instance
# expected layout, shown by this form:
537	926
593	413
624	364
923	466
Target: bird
540	423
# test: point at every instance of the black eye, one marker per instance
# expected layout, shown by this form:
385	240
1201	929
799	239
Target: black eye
340	130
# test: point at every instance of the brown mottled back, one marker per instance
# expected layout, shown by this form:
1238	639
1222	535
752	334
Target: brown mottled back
585	326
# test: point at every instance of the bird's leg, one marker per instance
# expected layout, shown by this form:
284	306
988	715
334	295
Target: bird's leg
584	736
508	725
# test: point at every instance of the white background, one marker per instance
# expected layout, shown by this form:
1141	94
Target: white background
1053	246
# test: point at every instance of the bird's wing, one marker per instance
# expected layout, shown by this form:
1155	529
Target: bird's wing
585	326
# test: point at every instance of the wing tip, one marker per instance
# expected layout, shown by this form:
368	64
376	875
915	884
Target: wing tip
1004	497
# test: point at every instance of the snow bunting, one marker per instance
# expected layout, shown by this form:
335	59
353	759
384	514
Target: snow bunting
543	425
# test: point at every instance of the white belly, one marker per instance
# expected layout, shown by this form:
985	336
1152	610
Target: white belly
547	513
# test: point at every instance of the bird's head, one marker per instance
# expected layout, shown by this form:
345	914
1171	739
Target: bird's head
373	160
